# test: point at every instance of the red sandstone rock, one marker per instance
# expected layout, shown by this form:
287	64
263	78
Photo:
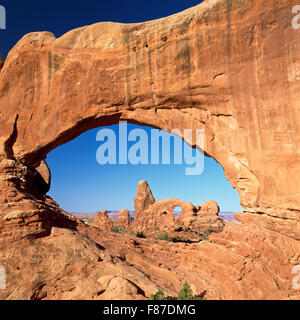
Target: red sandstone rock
102	221
160	215
123	219
45	174
228	67
210	207
216	92
207	218
144	198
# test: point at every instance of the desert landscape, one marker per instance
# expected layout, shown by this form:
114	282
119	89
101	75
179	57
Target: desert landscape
114	214
230	68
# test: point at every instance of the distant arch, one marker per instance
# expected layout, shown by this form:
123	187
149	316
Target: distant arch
177	211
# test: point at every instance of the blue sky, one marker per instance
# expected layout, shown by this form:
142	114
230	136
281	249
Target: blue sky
79	183
60	16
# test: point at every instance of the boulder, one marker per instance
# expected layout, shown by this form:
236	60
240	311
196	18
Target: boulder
102	221
210	207
123	220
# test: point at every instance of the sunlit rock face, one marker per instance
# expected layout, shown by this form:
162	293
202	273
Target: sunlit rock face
151	214
227	67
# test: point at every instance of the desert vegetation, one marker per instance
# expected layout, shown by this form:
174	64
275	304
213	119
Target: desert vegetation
185	293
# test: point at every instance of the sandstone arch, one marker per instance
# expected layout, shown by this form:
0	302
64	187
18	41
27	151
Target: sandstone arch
229	67
99	74
178	210
152	214
102	73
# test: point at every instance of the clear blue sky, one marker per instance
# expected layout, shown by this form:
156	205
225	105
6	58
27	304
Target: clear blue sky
79	183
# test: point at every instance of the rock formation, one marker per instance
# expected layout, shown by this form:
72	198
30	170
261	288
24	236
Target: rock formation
160	214
205	217
123	219
102	221
143	198
230	68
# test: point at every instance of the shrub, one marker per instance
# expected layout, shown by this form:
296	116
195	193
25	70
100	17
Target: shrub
159	295
140	234
164	236
207	233
179	239
186	293
117	229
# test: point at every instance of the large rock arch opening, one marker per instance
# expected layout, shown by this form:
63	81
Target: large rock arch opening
108	71
210	67
72	164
